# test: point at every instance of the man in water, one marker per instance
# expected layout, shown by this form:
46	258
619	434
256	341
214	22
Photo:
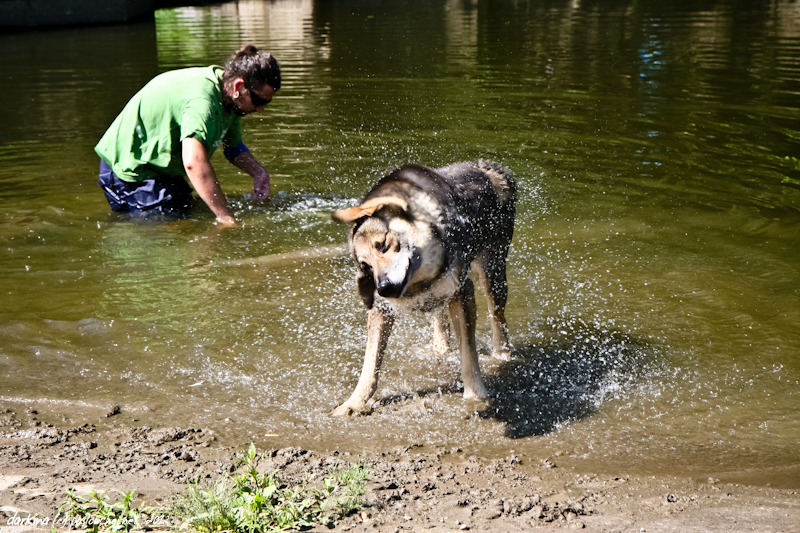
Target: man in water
173	125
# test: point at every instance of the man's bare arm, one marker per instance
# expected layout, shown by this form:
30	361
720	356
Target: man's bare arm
204	180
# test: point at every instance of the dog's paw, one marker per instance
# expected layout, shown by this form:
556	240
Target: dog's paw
342	410
476	392
503	354
348	410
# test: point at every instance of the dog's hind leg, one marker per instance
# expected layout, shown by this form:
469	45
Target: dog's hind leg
462	313
379	327
491	269
441	331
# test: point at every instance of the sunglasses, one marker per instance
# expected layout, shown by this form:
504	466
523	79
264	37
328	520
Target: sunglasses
257	100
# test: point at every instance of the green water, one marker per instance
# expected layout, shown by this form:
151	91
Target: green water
654	275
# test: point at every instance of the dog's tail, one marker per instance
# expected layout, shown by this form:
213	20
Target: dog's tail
502	180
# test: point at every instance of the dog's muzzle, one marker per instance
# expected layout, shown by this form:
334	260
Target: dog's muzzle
390	288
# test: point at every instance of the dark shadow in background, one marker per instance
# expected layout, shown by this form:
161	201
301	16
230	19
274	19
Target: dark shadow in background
544	386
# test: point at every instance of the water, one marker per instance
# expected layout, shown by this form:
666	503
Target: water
654	272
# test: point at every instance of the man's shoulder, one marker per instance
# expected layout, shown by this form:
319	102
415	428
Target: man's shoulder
196	90
191	77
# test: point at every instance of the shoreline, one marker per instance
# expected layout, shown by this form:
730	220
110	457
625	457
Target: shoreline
411	488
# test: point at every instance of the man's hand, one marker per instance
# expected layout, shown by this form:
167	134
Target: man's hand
261	187
247	163
226	221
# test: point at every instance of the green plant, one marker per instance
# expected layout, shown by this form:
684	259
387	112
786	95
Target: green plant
205	507
253	502
94	512
351	481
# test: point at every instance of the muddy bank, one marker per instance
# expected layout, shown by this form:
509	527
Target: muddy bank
413	488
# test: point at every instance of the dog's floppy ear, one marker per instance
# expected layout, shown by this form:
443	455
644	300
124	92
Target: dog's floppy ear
367	208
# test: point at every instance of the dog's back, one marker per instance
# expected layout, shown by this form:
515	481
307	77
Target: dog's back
475	200
501	179
467	181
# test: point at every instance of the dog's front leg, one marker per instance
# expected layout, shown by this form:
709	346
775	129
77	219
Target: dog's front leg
441	331
462	313
379	327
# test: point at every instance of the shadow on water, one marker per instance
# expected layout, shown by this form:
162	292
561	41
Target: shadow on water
544	386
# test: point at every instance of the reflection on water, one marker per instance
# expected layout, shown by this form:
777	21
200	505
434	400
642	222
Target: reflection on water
654	280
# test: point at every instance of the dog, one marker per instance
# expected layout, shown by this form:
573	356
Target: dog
414	238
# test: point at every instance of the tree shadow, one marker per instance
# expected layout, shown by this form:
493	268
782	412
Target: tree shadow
544	386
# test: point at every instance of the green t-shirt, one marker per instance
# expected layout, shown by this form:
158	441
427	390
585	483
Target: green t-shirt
145	139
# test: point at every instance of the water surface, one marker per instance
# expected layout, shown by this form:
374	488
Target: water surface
654	272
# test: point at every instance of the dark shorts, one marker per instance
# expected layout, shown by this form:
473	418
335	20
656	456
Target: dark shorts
169	195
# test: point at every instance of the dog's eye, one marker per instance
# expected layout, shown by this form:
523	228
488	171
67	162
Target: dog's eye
381	246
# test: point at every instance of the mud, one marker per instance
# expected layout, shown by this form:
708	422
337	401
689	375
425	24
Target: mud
413	488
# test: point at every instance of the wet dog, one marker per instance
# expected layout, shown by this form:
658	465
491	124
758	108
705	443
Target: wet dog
414	238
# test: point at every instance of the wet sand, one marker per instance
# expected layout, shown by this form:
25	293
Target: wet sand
413	488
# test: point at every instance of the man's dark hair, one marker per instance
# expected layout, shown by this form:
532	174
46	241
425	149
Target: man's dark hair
256	67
